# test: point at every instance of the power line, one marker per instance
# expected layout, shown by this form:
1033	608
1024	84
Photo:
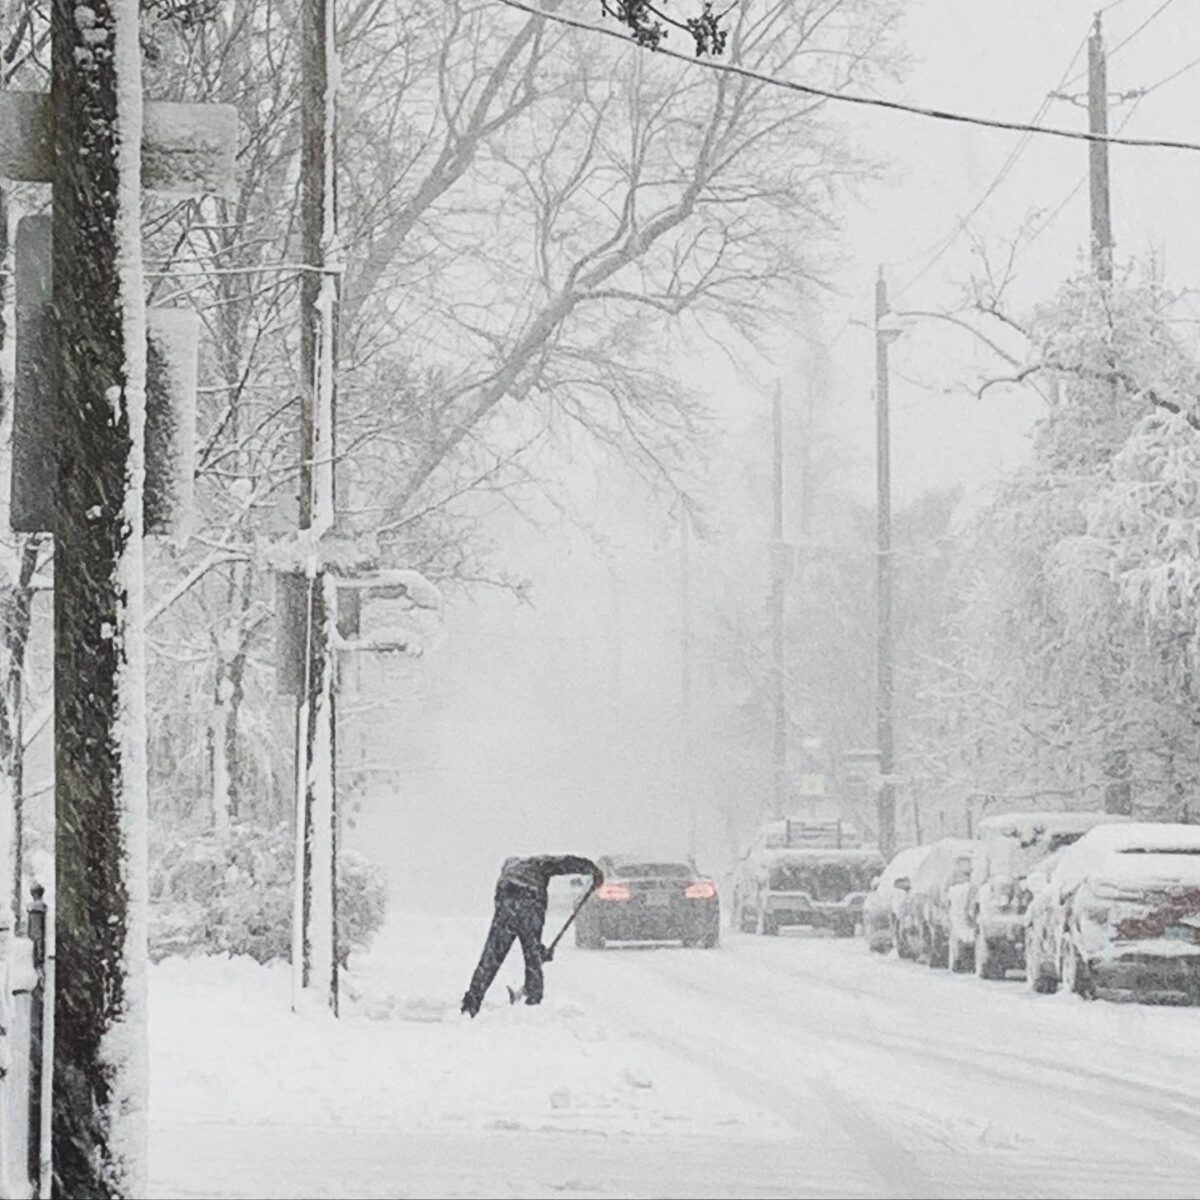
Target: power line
1162	8
1127	39
1170	78
936	114
1044	225
944	245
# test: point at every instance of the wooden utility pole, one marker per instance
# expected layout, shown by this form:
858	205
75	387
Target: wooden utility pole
314	932
883	586
686	775
1098	185
778	609
100	1053
1118	789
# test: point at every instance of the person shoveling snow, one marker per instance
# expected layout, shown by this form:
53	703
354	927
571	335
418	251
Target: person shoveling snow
520	914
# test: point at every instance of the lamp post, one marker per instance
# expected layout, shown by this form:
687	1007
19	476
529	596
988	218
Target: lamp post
887	330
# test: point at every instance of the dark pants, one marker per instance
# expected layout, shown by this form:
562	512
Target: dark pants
519	915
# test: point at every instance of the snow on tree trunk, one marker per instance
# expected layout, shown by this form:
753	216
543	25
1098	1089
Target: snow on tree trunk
320	787
99	1120
316	810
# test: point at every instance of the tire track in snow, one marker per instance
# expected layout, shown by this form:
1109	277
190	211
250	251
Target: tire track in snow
1044	1092
809	1099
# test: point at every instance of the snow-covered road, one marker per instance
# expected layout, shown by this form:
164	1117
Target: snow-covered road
797	1066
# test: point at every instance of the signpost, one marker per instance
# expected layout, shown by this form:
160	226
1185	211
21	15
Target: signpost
79	464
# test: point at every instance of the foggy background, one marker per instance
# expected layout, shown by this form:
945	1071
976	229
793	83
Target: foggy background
553	723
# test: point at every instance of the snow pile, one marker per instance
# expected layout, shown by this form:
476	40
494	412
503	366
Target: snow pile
226	1049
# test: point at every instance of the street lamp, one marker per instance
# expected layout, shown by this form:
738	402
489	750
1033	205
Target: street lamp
887	329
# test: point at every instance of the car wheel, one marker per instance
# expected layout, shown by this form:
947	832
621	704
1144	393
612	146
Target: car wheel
1039	975
1076	977
986	966
961	955
710	941
770	925
903	949
939	948
877	945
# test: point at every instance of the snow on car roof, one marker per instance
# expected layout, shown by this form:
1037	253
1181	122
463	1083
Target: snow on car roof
1143	835
1148	871
1028	825
1125	851
905	862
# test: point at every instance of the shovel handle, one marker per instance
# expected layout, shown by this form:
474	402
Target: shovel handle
571	919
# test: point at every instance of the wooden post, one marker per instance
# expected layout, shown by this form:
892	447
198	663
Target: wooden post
314	957
99	1123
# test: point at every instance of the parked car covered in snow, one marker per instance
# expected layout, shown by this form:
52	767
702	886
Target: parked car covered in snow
796	873
1037	923
1010	847
650	899
1121	913
881	906
923	926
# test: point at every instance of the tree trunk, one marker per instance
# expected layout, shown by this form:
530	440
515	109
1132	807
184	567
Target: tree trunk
100	1084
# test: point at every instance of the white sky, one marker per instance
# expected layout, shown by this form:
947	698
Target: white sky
997	60
506	740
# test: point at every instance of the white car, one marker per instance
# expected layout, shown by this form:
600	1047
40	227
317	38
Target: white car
1011	846
1121	913
881	907
803	873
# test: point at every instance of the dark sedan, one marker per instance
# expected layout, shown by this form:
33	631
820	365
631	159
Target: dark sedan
650	900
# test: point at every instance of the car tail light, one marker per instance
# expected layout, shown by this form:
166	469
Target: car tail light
612	891
702	889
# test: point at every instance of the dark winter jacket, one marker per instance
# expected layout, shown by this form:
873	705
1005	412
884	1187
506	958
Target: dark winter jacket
532	875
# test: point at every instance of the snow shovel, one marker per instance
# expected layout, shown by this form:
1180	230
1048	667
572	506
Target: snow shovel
515	994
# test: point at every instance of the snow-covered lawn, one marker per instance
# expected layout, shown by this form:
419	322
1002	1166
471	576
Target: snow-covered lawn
227	1050
770	1067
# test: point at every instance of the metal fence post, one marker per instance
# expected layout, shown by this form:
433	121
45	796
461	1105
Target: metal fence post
36	925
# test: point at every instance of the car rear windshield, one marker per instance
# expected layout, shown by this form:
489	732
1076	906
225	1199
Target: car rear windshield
654	870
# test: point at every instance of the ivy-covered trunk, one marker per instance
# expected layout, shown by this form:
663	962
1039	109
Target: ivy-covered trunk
100	1083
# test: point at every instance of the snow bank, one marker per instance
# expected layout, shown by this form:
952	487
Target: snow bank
227	1050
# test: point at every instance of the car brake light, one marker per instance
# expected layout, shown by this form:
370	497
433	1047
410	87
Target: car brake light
701	890
612	891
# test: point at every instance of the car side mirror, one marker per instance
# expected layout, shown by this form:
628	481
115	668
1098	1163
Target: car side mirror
903	884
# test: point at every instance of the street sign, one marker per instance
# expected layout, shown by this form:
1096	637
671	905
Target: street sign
172	336
187	149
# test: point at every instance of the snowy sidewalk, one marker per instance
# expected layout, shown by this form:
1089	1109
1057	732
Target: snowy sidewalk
250	1100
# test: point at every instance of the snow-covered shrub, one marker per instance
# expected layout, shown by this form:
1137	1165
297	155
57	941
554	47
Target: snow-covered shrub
233	895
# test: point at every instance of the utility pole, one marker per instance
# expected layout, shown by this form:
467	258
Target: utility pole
314	912
883	586
1118	790
99	1133
778	684
1098	186
686	779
